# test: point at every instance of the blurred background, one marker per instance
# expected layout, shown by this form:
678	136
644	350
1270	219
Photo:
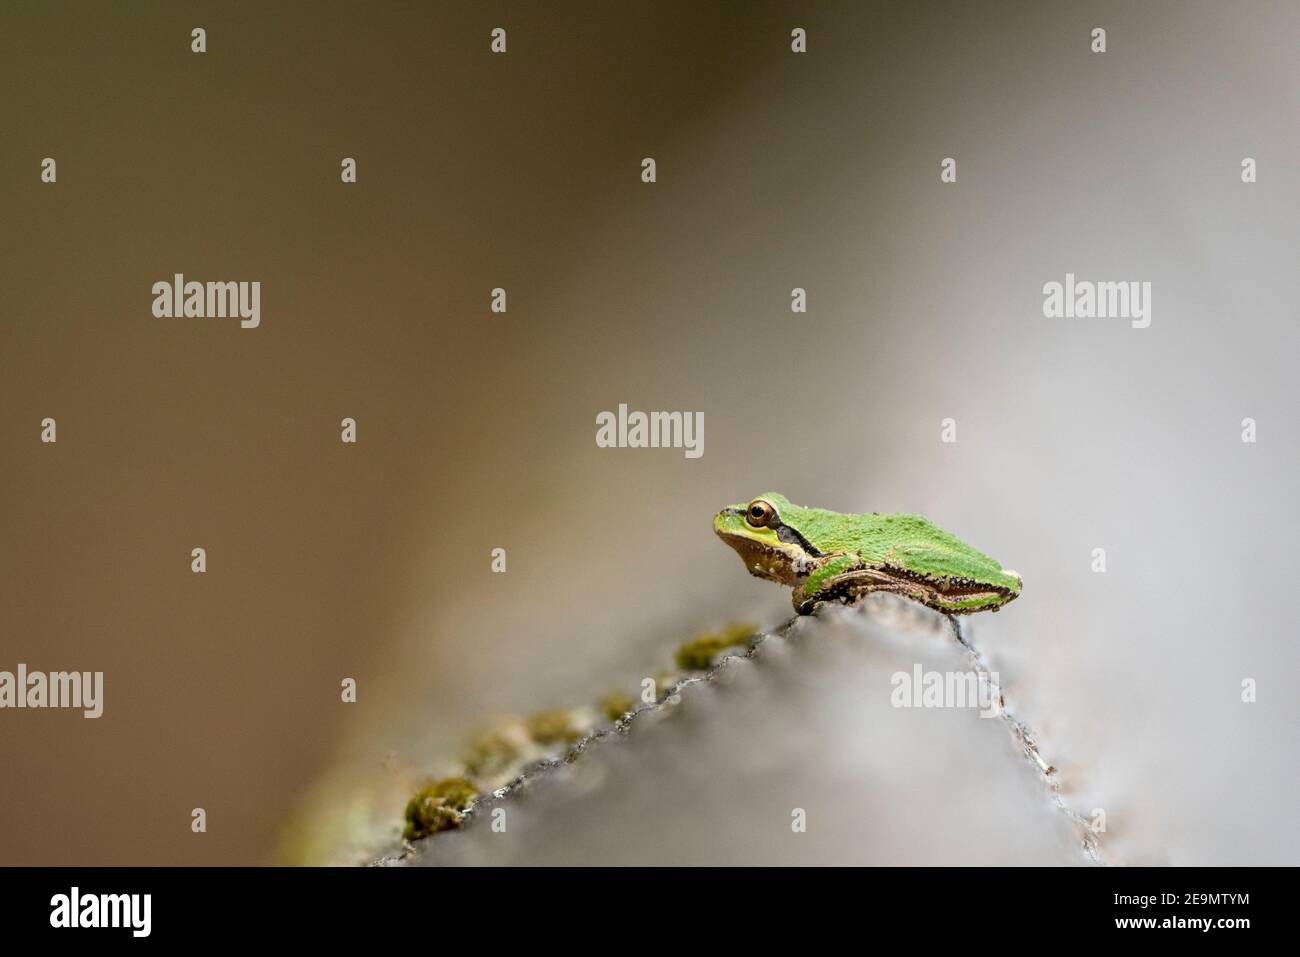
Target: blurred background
476	430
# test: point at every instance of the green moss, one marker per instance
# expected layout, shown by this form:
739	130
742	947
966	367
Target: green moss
699	653
740	631
615	704
553	727
489	754
438	806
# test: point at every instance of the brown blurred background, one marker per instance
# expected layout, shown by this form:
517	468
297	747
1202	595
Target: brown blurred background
477	430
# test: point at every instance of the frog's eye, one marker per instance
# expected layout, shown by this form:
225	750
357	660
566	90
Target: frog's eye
760	514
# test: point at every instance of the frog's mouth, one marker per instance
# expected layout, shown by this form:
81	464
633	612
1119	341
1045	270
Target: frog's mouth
765	551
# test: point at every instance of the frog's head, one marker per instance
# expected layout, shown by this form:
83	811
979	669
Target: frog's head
769	547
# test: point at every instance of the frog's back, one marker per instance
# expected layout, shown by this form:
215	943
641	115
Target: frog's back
913	542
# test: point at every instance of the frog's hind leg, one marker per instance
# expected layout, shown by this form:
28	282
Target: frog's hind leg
852	586
965	599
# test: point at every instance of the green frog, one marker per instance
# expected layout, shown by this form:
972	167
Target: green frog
834	556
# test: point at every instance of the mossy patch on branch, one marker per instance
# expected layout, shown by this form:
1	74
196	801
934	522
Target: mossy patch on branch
554	727
438	806
698	653
490	753
511	744
615	704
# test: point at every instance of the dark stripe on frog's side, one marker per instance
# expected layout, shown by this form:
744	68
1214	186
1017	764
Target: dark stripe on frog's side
791	536
949	587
